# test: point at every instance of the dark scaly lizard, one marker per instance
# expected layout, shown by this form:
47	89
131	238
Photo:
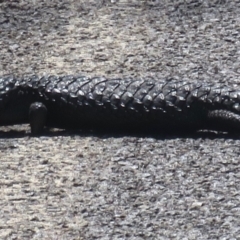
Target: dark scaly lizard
142	105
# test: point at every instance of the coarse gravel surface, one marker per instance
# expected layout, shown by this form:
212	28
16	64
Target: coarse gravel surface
86	185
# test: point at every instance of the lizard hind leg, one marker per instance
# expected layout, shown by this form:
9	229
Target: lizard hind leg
224	120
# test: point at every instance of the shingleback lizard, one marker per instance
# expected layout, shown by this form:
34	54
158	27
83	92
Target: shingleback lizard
129	104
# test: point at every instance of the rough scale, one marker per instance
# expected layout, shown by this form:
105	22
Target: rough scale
118	104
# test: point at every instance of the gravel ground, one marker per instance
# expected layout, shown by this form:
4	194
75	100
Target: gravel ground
68	185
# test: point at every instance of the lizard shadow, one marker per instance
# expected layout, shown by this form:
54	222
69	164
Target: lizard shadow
102	134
